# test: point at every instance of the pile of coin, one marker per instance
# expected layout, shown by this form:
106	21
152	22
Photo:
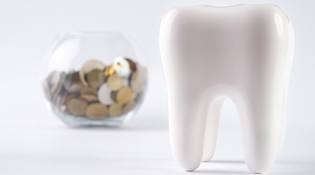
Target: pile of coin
97	91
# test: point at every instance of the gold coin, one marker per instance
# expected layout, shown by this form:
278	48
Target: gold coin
95	78
115	82
88	90
124	95
88	67
89	97
115	109
109	71
128	107
77	106
96	110
66	99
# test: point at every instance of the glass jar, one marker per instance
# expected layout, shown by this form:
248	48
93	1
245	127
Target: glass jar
94	79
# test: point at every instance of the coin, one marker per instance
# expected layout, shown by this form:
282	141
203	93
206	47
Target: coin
77	106
89	98
72	82
88	90
66	98
113	95
128	107
124	95
135	75
58	102
52	84
96	90
132	65
54	80
94	78
96	110
115	109
58	105
89	66
109	70
104	95
122	67
115	82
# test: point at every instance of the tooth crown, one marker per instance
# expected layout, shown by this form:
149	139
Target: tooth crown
242	52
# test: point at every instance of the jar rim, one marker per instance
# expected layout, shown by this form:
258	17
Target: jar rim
92	32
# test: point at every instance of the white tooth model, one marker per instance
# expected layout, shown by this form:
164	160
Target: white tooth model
240	52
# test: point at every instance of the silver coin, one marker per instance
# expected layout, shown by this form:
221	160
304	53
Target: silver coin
104	95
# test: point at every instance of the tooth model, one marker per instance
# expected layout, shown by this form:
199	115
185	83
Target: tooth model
243	53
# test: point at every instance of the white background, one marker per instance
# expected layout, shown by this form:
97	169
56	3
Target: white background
33	141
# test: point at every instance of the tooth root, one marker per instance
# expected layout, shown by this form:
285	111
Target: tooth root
211	130
263	129
187	125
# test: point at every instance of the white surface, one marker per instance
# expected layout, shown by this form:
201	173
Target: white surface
128	151
33	141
